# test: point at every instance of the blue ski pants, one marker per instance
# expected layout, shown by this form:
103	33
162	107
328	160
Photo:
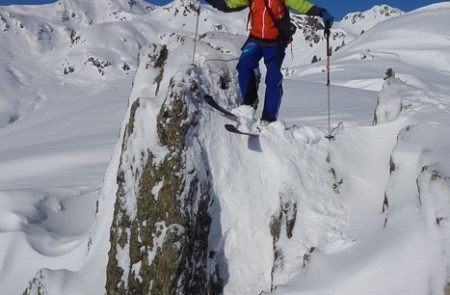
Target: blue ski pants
252	52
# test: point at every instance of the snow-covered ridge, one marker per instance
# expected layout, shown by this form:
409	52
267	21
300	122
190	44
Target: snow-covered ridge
205	159
356	23
46	26
287	228
291	213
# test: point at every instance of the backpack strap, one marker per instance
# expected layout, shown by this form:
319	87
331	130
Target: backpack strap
283	25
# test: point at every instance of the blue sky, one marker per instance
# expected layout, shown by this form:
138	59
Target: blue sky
336	7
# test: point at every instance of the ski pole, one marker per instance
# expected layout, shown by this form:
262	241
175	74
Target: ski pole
327	36
196	33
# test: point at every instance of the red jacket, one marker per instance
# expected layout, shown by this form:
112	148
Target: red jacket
262	25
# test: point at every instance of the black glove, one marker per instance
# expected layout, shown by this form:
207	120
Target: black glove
327	18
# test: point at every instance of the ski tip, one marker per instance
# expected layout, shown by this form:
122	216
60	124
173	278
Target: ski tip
210	100
234	129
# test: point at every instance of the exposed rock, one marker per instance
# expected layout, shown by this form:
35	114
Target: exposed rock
159	236
4	24
311	28
99	64
36	286
74	37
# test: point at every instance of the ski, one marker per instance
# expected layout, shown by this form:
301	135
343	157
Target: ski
210	100
229	127
233	129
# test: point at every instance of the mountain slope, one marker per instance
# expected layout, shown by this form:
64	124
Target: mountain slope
188	207
356	23
64	38
291	221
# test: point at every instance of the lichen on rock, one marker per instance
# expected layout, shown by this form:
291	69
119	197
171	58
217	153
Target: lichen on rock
159	236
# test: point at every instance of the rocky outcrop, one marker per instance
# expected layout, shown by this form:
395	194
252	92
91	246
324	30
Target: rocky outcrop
36	286
4	24
159	235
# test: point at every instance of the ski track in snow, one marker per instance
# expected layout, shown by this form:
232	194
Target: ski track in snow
58	134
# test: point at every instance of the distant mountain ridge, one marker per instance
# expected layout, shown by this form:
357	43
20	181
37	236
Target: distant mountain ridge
57	21
73	34
359	22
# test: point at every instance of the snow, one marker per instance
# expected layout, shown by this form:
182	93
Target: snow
357	23
371	207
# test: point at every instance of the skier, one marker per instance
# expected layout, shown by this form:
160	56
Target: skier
270	33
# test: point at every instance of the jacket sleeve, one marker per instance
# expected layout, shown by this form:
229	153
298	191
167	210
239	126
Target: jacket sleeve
301	6
229	5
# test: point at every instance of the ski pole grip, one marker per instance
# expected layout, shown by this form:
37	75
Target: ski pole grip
327	32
